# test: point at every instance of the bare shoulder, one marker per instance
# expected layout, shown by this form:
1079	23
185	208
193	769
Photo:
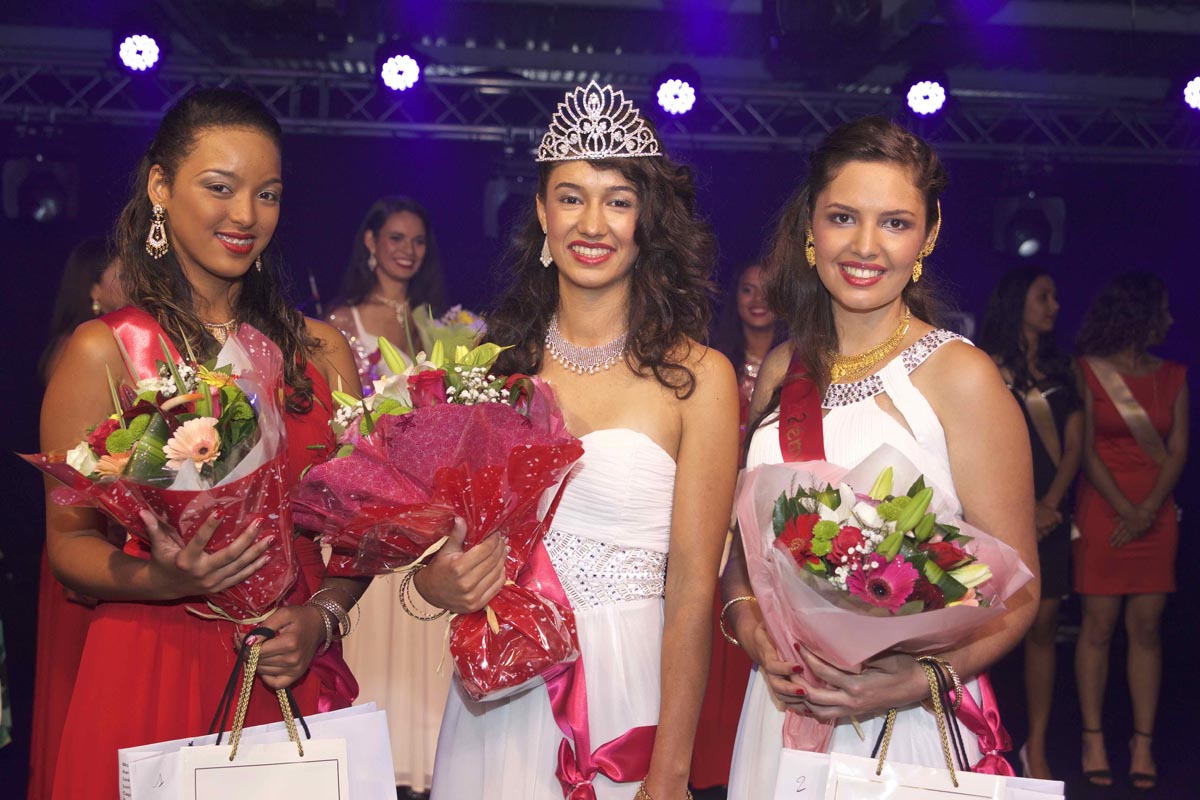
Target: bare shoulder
92	342
332	354
775	366
706	363
326	333
958	375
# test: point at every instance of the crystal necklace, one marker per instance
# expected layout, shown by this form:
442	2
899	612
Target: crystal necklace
846	369
399	307
220	330
582	360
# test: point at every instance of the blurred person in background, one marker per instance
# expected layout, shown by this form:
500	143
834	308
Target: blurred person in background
90	286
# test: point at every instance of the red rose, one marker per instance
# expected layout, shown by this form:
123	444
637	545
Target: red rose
797	537
847	537
97	437
928	594
946	555
427	388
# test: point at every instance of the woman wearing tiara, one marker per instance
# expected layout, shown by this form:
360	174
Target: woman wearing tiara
608	295
845	271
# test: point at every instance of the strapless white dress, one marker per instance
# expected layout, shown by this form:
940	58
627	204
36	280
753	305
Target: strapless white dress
608	544
854	428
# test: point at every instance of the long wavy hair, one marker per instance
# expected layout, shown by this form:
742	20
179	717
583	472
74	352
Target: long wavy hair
1128	312
161	288
670	294
794	290
730	334
1002	333
73	303
359	280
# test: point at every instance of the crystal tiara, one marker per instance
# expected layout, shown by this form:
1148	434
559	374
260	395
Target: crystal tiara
595	122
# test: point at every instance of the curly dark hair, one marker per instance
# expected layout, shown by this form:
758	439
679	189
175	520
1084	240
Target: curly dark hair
73	304
1001	335
795	292
425	287
730	334
1128	312
670	297
160	287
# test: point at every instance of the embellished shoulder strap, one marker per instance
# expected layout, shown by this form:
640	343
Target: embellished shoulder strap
801	429
913	356
141	339
916	353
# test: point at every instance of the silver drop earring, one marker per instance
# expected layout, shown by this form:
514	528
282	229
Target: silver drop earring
546	258
371	262
258	263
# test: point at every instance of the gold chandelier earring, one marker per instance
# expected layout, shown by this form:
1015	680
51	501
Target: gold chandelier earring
919	264
156	240
810	248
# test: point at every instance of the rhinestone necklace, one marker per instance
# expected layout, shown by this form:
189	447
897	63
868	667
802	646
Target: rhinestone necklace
845	369
399	307
582	360
220	330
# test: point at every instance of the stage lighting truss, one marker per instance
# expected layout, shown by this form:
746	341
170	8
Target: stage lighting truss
138	52
1191	93
515	110
400	72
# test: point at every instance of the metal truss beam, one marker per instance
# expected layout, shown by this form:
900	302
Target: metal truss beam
516	111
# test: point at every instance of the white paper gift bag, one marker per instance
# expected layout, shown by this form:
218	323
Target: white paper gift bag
265	771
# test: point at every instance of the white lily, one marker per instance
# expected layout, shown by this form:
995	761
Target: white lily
866	513
82	459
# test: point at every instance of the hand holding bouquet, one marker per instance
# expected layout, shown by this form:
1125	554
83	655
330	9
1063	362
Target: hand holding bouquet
443	439
191	442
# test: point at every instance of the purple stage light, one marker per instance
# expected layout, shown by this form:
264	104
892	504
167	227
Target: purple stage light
926	97
138	52
1191	93
400	73
676	96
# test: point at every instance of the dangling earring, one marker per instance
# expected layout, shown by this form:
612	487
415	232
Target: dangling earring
546	258
919	264
258	263
371	262
156	240
96	309
810	248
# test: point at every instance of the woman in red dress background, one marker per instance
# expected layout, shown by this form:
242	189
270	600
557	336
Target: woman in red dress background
150	671
1135	446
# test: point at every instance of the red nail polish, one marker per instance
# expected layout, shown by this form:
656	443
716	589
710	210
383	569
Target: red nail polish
798	668
800	692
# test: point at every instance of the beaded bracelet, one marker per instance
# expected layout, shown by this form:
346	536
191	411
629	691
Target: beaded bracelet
339	613
408	605
725	631
327	619
643	794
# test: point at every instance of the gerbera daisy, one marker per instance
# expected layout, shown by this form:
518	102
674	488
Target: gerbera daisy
195	440
883	583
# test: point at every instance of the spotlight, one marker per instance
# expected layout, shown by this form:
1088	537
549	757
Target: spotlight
138	52
39	190
926	97
400	72
1029	225
1191	93
678	87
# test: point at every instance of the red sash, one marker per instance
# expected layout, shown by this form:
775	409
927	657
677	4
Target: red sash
801	431
138	335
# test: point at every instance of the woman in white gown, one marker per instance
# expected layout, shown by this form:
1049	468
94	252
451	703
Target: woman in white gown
844	269
610	317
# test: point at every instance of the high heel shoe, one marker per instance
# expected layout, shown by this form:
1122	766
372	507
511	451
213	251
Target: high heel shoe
1142	781
1101	778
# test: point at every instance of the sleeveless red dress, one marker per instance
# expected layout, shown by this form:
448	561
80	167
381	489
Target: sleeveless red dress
1147	564
152	672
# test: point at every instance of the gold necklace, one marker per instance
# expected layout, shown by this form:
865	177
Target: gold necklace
399	307
846	369
220	330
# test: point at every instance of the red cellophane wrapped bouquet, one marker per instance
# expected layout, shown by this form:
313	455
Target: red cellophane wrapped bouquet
439	440
190	440
831	551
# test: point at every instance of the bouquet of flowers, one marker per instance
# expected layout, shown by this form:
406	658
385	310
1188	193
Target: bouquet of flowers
194	439
831	550
443	439
456	328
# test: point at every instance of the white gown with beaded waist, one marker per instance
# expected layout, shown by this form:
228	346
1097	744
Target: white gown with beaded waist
854	427
608	543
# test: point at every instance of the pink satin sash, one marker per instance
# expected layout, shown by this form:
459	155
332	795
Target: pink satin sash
139	334
624	759
983	720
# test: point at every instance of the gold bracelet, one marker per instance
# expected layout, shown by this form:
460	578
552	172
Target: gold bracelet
354	606
339	613
410	606
721	620
958	684
327	619
642	794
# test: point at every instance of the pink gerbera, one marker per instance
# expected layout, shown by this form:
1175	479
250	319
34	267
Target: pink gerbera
883	583
195	440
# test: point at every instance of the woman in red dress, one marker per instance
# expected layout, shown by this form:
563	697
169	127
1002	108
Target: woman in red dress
1135	446
150	671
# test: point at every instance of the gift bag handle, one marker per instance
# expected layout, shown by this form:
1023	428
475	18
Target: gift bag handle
937	686
246	665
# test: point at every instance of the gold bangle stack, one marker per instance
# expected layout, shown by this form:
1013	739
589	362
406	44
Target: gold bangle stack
409	605
332	614
643	794
721	621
